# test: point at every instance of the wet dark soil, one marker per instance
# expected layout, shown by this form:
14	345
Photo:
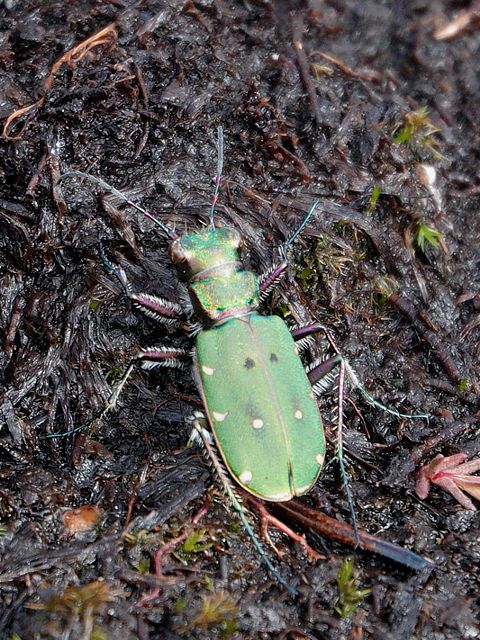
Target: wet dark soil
367	107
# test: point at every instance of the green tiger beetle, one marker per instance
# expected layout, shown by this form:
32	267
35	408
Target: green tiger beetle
259	400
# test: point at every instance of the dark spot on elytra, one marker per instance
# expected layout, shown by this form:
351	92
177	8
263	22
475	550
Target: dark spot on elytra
249	363
273	357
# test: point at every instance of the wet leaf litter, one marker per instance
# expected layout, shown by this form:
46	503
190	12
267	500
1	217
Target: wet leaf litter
141	112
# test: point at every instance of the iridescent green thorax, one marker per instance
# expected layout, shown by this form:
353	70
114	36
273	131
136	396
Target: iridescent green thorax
224	297
219	288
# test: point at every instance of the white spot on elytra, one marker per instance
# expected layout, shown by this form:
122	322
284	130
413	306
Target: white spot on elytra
301	490
311	395
208	370
257	423
280	497
298	414
245	476
296	350
220	417
319	458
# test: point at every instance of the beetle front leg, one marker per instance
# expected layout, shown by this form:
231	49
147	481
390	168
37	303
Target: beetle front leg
159	309
268	280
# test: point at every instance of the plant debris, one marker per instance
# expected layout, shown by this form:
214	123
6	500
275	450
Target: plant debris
367	107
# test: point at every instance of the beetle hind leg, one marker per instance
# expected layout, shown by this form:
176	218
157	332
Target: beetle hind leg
201	435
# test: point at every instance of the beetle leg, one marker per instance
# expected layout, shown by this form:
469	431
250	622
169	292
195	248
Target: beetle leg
356	384
269	519
321	379
203	436
299	333
159	309
148	358
152	357
339	451
303	335
320	376
318	373
268	280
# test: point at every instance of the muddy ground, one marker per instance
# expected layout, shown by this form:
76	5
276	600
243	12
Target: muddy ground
371	107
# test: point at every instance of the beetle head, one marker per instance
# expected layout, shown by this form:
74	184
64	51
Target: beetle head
206	250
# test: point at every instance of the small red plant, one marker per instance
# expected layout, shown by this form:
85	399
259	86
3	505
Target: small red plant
451	474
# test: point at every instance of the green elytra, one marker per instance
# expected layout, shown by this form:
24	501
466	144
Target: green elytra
257	396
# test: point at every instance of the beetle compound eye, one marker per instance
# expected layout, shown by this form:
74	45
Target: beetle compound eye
237	239
177	253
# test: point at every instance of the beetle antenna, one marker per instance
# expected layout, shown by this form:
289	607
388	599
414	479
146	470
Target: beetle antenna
300	228
218	177
108	187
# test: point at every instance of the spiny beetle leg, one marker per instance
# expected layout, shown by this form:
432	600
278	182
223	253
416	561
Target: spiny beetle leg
339	452
148	358
303	335
307	330
159	309
319	374
201	435
268	519
152	357
356	384
268	280
321	379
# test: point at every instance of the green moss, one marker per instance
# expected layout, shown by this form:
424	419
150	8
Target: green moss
194	544
93	304
216	611
418	132
426	235
376	192
350	595
142	565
